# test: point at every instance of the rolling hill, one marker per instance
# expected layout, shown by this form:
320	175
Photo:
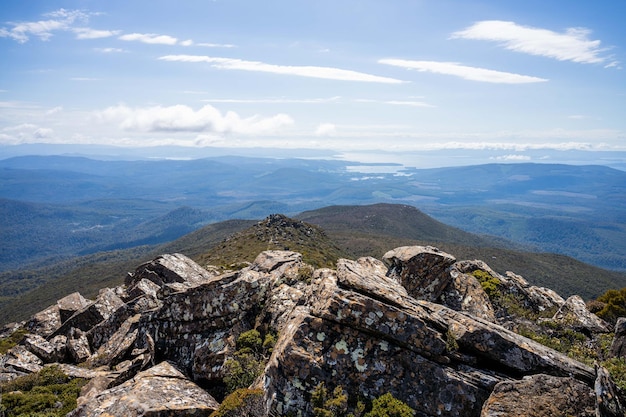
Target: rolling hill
322	236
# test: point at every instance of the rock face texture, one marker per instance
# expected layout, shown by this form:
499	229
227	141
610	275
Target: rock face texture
418	324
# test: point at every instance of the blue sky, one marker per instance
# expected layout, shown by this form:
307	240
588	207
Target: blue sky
397	76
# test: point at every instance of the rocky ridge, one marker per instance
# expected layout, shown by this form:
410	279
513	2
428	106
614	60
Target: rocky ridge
442	335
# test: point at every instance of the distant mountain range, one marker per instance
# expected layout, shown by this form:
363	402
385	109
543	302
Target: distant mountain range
56	207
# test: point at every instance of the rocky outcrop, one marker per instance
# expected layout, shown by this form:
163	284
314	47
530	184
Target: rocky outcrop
160	391
540	396
418	324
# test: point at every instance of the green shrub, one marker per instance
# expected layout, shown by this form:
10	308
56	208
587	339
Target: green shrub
388	406
337	404
250	340
614	305
242	403
324	405
489	283
47	393
12	340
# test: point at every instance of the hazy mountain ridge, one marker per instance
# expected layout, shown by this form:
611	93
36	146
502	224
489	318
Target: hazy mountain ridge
574	210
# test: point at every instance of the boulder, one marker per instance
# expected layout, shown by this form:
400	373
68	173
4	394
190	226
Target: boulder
540	396
168	269
70	304
422	270
618	346
48	351
371	339
95	312
159	391
574	313
21	360
464	293
608	403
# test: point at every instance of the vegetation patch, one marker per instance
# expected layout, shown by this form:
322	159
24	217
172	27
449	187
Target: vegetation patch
613	305
48	392
12	340
242	402
249	359
336	404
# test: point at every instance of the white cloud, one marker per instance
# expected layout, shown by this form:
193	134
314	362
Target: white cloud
150	38
572	45
84	79
188	42
217	45
274	100
88	33
110	50
410	103
181	118
54	110
515	157
463	71
328	73
326	129
59	20
24	133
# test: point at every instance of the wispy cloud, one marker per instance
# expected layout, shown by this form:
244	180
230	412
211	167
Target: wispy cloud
110	50
181	118
58	20
410	103
216	45
572	45
150	38
88	33
328	73
326	129
278	100
463	71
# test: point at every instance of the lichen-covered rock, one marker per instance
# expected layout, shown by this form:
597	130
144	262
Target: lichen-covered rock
20	360
575	314
47	351
464	293
371	340
159	391
95	312
618	346
541	396
608	403
169	268
70	304
422	270
46	322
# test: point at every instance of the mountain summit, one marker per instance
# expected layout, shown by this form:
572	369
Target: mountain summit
417	331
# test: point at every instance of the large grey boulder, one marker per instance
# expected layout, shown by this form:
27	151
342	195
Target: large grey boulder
159	391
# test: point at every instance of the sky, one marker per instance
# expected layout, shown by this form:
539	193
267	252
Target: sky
508	77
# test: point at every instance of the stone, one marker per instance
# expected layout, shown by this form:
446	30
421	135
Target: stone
21	360
464	293
70	304
170	268
369	341
78	346
159	391
608	403
95	312
46	322
618	346
422	270
47	351
540	396
574	313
